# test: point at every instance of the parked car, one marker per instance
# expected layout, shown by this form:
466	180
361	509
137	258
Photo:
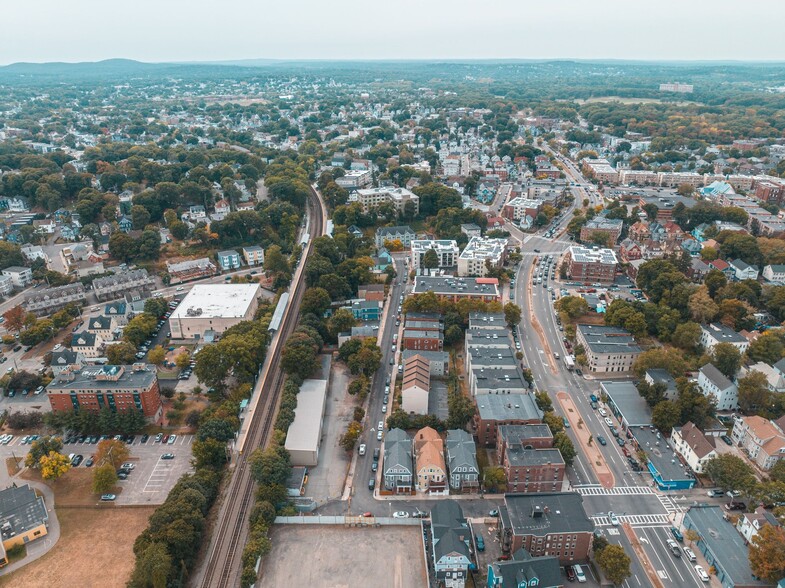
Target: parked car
400	514
494	513
172	439
89	462
677	535
702	574
128	466
601	440
620	441
579	574
715	493
689	553
480	542
361	449
674	547
735	506
608	422
158	437
726	439
167	456
108	497
570	573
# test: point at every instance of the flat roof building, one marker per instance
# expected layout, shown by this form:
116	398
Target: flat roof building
452	288
478	253
446	250
608	350
304	435
591	265
399	197
626	404
23	518
664	464
212	308
503	409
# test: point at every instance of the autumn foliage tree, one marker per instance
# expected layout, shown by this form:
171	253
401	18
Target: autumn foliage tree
767	553
14	319
53	465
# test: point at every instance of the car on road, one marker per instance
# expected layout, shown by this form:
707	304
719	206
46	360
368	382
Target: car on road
400	514
381	425
361	449
735	506
108	497
371	484
601	440
565	422
480	542
677	535
602	411
379	435
419	514
715	493
674	547
702	574
620	441
613	519
367	514
167	456
375	466
608	422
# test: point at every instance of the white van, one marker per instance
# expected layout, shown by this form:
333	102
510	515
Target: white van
579	575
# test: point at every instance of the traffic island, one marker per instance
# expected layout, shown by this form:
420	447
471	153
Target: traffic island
590	449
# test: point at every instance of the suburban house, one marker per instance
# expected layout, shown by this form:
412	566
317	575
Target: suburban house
695	448
525	571
366	310
750	523
761	439
23	518
103	326
451	536
254	255
462	461
774	274
661	376
88	344
64	358
714	333
713	384
416	385
553	524
743	270
398	463
430	467
118	311
228	259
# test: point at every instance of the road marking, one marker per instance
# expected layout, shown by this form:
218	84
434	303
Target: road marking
669	505
617	491
645	520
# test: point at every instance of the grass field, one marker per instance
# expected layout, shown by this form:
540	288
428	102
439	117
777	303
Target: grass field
95	550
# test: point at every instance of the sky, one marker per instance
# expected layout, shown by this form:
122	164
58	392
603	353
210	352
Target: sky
213	30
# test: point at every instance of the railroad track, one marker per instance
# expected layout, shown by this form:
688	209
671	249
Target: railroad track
223	566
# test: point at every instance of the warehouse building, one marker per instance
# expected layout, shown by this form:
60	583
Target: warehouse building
209	309
305	433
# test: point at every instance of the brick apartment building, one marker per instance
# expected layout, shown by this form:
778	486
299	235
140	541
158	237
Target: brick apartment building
533	470
591	265
503	409
117	387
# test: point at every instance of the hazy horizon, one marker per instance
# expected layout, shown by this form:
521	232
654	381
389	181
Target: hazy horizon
179	31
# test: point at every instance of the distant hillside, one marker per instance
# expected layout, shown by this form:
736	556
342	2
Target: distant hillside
59	68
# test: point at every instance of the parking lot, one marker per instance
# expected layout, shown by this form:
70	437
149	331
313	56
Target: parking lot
151	478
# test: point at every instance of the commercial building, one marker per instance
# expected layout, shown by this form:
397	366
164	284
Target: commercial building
20	276
722	546
416	385
601	170
676	87
547	524
591	265
608	350
601	225
446	252
454	289
23	518
449	547
404	234
494	410
305	433
134	282
398	466
354	178
715	333
192	269
626	404
462	461
119	388
399	197
663	463
479	253
209	309
47	301
497	381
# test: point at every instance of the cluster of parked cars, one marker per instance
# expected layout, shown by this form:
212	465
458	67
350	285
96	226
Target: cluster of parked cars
6	439
575	572
168	439
125	470
186	373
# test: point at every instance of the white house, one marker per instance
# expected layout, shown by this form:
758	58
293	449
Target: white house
774	378
751	522
695	447
713	384
774	273
743	270
714	333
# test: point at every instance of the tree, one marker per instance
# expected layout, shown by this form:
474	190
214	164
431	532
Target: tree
182	360
157	355
14	318
270	465
140	217
730	472
544	402
315	301
768	348
275	262
665	416
693	405
209	453
512	314
702	308
754	394
692	536
41	448
53	465
726	358
367	360
460	409
430	259
767	553
341	321
615	563
214	428
572	307
661	357
563	443
104	478
123	247
113	452
494	479
121	353
686	336
554	422
349	438
153	567
777	471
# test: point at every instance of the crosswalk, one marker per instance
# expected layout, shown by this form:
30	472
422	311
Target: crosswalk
643	520
669	505
617	491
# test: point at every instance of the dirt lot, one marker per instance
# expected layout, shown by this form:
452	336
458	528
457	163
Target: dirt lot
89	539
345	557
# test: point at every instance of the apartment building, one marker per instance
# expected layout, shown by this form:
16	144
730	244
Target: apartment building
446	251
47	301
404	234
430	468
494	410
355	178
591	265
228	259
462	465
714	385
452	288
715	333
608	350
399	197
398	465
254	255
479	253
520	207
533	470
137	282
762	440
601	170
20	276
119	388
599	224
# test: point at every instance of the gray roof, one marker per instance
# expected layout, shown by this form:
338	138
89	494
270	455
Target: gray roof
21	509
722	544
716	377
121	278
461	451
602	339
742	265
398	450
431	356
523	568
83	339
661	376
487	319
76	288
723	334
228	253
508	407
99	323
394	230
625	396
518	456
451	533
100	377
520	433
661	455
499	379
64	357
451	285
559	512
